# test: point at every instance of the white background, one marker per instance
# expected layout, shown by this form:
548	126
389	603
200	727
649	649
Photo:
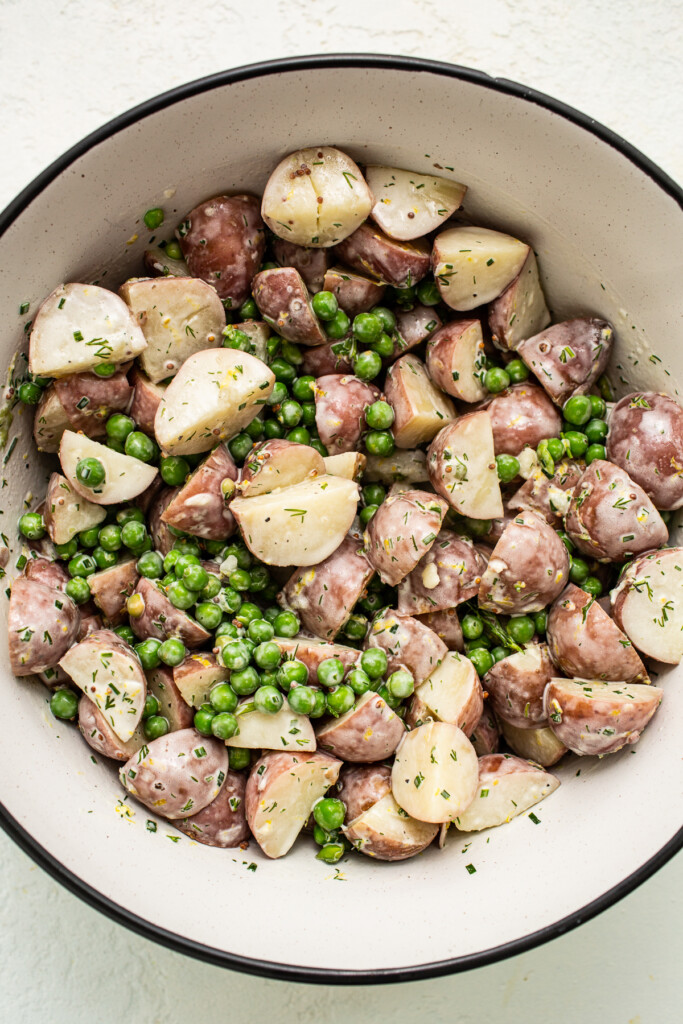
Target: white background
66	66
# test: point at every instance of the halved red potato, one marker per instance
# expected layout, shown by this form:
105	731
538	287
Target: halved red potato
315	197
312	652
456	360
199	507
420	408
568	358
52	574
124	477
647	604
522	415
311	263
508	786
452	693
281	792
277	463
521	310
550	497
360	786
298	525
284	730
370	731
446	625
178	316
610	517
435	773
540	745
413	326
646	439
332	357
223	243
596	718
162	537
462	466
107	670
196	676
403	466
516	685
409	205
222	823
486	735
42	623
447	575
50	422
177	774
349	465
529	567
111	588
283	301
473	265
214	395
146	399
160	620
340	404
89	400
402	530
172	705
354	292
324	595
586	643
369	251
79	326
386	832
157	263
66	513
98	734
407	643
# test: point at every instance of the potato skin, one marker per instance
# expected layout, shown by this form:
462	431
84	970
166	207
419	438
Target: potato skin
568	358
385	832
162	537
522	415
457	565
541	494
610	517
52	574
369	732
198	507
312	651
516	685
324	595
223	242
222	823
530	553
599	718
586	643
486	735
311	263
160	683
407	643
340	404
161	620
646	440
42	624
145	401
354	292
112	587
412	327
369	251
282	299
360	786
446	625
402	530
326	359
89	400
99	735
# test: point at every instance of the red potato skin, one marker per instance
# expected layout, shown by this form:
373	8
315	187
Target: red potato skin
312	655
446	625
160	683
402	530
223	822
49	422
369	251
516	690
561	374
52	574
340	404
98	396
460	567
223	242
282	299
598	524
99	735
521	415
586	643
312	264
354	292
411	645
324	596
161	620
586	723
440	351
413	326
198	507
371	732
646	440
361	786
89	624
48	621
486	736
535	493
145	402
162	537
112	587
529	567
329	358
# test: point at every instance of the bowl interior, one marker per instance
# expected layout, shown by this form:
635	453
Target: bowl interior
605	233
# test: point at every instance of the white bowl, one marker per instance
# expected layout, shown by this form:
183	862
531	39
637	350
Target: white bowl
606	225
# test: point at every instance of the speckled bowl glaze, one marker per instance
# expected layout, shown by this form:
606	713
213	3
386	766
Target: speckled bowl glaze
606	225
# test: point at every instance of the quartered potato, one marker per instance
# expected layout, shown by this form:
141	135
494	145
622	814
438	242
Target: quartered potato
146	399
408	205
282	790
222	823
435	774
360	786
452	694
42	623
162	538
486	735
386	832
50	422
647	604
172	705
462	467
529	567
160	619
214	395
456	360
124	476
98	733
178	774
404	466
284	730
340	404
447	575
313	264
521	311
407	643
89	400
355	293
283	302
349	465
522	415
370	731
446	625
66	513
646	439
568	358
278	463
178	316
199	507
80	326
549	496
369	251
332	357
312	652
111	588
516	685
474	265
540	745
52	574
591	717
508	786
420	409
413	326
196	676
298	525
402	530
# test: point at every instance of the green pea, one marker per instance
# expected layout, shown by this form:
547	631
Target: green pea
338	326
482	660
308	414
179	596
152	706
302	388
271	613
475	645
331	853
78	589
126	634
268	699
374	662
541	622
291	352
384	346
31	526
556	448
247	613
496	380
577	410
236	339
140	446
596	431
245	681
292	672
278	395
340	700
386	316
508	468
240	446
592	586
180	562
255	431
235	656
286	624
356	627
238	758
428	292
64	704
284	371
172	651
366	514
224	725
517	371
299	435
476	527
187	545
521	628
150	565
223	697
104	559
290	413
578	442
387	696
260	579
154	218
155	727
325	306
379	442
173	250
472	627
329	813
367	328
82	565
566	540
545	458
272	347
405	297
90	472
401	684
173	470
267	655
598	407
119	426
132	514
109	537
240	579
320	705
579	570
105	369
133	534
330	672
30	393
319	447
371	603
498	653
208	615
148	653
260	631
595	451
367	365
379	416
195	577
203	720
373	494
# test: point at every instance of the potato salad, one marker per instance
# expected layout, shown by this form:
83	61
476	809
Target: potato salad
346	540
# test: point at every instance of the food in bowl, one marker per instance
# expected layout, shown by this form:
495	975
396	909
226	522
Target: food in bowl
336	509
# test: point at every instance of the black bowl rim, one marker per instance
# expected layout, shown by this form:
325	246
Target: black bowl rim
76	885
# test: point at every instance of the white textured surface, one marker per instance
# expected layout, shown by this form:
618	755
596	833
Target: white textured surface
65	69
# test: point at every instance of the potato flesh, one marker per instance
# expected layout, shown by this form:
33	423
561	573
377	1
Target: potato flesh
279	464
348	465
456	361
284	730
67	513
462	467
408	205
648	604
112	679
124	477
521	311
474	265
196	676
403	466
508	788
453	692
214	395
539	745
50	422
298	525
421	409
386	832
80	326
435	774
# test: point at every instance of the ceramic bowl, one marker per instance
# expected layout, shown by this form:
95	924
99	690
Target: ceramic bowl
606	225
